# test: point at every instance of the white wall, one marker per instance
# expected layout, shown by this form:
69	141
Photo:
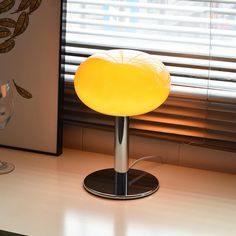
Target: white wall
95	140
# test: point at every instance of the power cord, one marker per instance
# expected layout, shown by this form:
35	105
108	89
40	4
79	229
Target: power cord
146	158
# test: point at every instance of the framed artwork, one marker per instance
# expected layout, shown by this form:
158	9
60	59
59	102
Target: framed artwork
30	38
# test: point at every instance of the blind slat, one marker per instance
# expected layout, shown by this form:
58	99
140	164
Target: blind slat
163	6
226	54
151	37
153	27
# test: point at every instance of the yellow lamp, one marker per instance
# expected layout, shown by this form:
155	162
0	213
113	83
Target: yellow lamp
122	83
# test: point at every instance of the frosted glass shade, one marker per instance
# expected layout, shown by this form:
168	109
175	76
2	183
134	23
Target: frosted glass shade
122	82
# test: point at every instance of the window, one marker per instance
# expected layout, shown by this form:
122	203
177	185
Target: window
195	39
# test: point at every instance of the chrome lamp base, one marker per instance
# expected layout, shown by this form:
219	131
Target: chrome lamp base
108	183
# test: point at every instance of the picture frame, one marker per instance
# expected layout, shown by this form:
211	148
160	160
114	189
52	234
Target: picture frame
30	58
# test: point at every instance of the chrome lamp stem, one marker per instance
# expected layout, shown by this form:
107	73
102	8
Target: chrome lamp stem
121	144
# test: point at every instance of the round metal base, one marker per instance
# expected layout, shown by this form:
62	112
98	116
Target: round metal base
103	183
6	167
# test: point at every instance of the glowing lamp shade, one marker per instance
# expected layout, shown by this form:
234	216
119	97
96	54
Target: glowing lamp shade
122	82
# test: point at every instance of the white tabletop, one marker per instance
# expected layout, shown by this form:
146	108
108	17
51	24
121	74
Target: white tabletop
44	197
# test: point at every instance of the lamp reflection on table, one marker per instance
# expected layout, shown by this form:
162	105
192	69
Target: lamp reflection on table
88	224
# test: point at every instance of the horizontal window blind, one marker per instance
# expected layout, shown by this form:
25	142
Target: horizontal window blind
196	40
